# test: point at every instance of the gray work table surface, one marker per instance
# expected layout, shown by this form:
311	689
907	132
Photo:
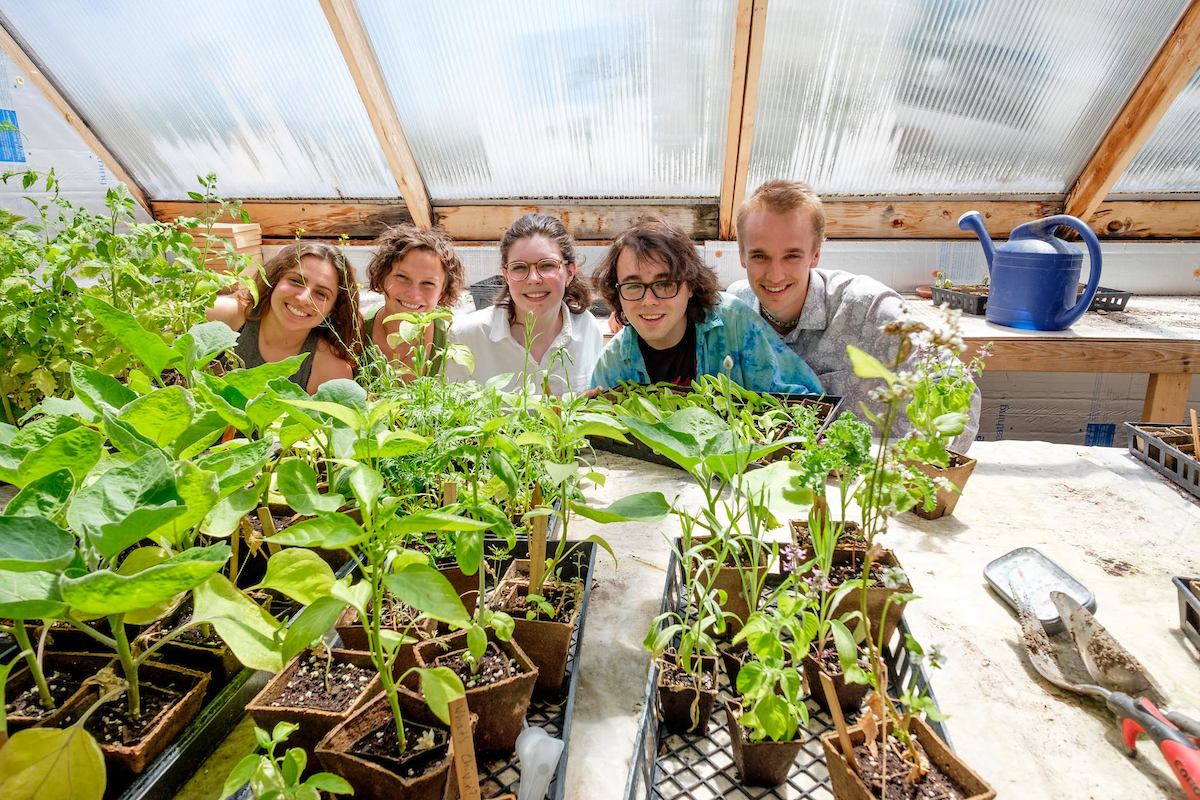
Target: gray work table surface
1105	517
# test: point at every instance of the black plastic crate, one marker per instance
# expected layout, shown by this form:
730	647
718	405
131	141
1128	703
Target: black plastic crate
1189	609
636	449
667	766
485	291
975	304
1167	449
1107	299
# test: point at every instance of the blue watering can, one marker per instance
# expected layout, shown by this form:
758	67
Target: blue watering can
1035	275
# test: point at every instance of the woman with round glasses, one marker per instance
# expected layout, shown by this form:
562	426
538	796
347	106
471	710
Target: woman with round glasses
543	303
679	326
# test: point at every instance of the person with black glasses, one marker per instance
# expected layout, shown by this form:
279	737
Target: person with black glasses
543	302
678	325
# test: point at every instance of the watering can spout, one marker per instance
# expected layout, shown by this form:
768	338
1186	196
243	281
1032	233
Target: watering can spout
973	221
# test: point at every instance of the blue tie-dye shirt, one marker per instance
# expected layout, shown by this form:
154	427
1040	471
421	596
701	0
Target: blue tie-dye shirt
761	361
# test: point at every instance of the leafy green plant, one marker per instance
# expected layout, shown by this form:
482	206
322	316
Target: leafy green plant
273	777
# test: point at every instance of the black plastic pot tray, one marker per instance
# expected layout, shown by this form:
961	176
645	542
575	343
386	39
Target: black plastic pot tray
668	766
1189	609
974	304
500	776
1107	299
1168	450
828	405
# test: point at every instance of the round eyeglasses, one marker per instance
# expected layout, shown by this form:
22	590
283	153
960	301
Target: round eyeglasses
547	268
663	290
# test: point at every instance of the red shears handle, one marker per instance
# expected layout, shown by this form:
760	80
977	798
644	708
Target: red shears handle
1182	753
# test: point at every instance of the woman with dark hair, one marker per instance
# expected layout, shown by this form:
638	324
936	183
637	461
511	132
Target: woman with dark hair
542	306
678	325
416	271
307	303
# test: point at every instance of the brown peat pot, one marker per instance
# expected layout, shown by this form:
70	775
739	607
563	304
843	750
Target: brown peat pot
314	722
214	657
500	706
165	729
546	642
350	629
764	763
729	580
850	696
847	785
733	658
374	781
849	539
876	595
957	473
675	702
77	665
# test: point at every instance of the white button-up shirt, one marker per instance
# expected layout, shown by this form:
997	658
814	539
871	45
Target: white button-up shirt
497	352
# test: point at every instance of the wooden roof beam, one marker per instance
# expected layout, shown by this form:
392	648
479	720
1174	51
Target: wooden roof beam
39	79
1164	80
749	31
355	45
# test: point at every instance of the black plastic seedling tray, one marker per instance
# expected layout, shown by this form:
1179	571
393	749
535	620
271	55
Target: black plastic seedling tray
1189	609
668	766
1167	449
974	304
636	449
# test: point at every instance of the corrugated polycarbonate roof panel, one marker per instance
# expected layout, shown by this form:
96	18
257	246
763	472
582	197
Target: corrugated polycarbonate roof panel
560	98
1169	161
894	97
258	93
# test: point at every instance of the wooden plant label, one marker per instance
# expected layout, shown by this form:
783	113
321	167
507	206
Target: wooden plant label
1195	436
464	749
268	528
839	722
449	493
537	544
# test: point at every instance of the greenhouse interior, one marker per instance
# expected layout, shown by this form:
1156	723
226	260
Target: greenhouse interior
567	400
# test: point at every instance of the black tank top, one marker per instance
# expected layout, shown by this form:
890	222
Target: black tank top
247	350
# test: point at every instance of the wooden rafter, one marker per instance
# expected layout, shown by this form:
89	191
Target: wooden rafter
846	219
355	45
749	31
47	87
1162	83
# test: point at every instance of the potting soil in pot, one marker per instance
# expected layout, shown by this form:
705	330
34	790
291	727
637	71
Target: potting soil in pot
110	725
673	676
62	685
319	685
934	786
841	573
562	599
494	666
425	748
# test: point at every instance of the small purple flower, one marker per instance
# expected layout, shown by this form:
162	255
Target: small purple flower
791	557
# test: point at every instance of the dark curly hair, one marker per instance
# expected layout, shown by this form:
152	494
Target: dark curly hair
342	329
651	238
400	240
578	295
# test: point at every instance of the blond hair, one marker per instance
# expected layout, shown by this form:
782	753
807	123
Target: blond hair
782	197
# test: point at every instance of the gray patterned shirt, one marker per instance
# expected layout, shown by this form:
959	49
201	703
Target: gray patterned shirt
843	308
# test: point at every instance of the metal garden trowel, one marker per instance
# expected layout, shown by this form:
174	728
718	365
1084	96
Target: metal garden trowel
1116	671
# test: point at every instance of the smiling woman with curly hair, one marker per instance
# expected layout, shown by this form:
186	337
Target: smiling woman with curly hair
307	303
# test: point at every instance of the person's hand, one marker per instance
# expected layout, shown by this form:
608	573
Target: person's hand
614	324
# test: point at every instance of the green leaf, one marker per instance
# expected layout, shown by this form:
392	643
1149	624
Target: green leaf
136	561
439	686
783	483
197	489
332	784
428	591
202	343
502	468
310	624
30	595
357	595
503	625
48	762
241	774
271	405
149	347
392	444
229	407
682	436
254	635
161	416
34	544
237	463
431	520
106	592
347	416
148	483
126	438
772	712
227	514
343	392
300	574
134	527
78	450
950	424
205	430
330	530
868	366
561	473
297	482
99	391
367	485
45	497
253	382
41	432
476	641
641	507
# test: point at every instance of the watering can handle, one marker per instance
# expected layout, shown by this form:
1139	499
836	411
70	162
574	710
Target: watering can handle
1046	226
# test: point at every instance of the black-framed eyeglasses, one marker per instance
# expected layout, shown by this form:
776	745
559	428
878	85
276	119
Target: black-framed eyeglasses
547	268
663	290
